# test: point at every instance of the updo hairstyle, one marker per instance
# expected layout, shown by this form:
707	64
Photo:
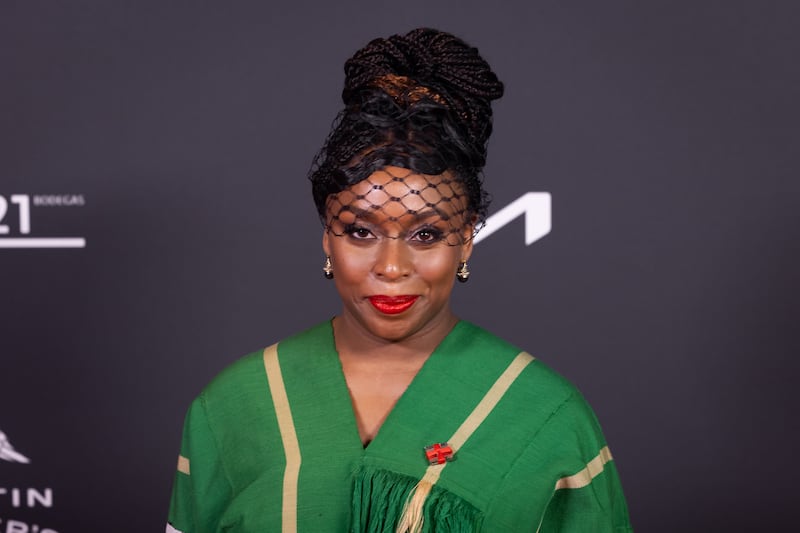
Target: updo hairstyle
421	101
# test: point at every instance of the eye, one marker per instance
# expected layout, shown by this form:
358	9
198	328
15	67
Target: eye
358	232
427	235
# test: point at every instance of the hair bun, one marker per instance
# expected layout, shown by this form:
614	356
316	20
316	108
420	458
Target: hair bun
428	56
434	59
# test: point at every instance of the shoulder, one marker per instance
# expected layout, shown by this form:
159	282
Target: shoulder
248	370
537	375
538	391
244	382
242	372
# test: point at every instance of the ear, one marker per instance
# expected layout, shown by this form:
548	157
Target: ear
468	235
326	244
466	250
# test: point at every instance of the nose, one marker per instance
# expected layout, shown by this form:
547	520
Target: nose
394	260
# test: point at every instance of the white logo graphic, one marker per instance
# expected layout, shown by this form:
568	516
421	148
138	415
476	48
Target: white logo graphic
537	208
21	497
7	452
23	207
15	526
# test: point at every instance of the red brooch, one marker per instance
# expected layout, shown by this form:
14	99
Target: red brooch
439	453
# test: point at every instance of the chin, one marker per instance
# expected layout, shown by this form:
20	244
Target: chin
392	332
390	328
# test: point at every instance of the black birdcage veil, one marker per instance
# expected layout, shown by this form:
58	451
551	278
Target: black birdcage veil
398	203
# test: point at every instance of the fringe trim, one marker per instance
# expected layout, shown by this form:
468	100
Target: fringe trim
412	518
382	499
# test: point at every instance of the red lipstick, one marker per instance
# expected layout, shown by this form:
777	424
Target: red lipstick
392	305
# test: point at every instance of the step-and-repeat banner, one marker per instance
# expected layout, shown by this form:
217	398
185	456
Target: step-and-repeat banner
156	224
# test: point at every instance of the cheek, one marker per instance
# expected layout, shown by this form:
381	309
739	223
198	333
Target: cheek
350	265
438	267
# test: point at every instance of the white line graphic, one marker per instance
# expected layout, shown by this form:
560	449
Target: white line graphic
7	452
537	208
43	242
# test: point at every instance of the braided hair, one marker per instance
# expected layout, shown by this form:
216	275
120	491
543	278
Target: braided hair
420	101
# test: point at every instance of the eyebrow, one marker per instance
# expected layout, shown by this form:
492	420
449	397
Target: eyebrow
423	214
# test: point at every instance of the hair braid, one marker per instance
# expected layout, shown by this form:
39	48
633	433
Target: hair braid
421	101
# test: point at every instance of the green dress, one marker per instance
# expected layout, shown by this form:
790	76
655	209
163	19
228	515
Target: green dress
272	445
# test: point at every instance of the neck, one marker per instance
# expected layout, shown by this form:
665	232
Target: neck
356	343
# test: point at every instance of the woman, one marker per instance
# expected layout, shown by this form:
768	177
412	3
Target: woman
395	415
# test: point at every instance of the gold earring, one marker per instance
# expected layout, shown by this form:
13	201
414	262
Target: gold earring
462	274
328	268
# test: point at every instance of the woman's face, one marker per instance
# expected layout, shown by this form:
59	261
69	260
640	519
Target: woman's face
395	241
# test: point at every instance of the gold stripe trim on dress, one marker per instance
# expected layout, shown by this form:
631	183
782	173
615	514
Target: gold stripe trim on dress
291	447
585	476
411	518
183	465
482	410
490	400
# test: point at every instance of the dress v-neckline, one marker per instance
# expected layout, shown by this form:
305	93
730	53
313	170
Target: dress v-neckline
398	409
438	400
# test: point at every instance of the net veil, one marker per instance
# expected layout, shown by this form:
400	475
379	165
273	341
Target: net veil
398	203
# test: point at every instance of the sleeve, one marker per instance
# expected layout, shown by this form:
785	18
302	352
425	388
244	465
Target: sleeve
201	488
588	494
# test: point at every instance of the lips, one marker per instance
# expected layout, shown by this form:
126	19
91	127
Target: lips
392	305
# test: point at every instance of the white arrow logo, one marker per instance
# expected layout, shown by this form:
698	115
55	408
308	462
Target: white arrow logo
537	208
7	452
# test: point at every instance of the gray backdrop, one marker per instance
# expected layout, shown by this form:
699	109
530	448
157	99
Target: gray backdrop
175	137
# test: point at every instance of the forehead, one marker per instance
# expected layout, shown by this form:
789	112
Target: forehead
398	192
